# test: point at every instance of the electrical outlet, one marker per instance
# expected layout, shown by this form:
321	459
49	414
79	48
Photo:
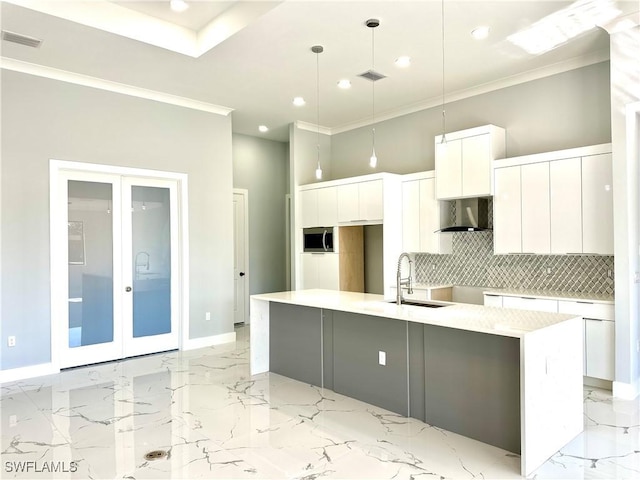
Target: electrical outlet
548	270
11	341
638	346
13	420
382	357
207	316
610	273
433	267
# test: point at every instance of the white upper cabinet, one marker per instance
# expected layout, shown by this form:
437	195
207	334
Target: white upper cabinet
361	202
463	162
507	211
565	193
597	204
319	207
536	235
565	202
422	215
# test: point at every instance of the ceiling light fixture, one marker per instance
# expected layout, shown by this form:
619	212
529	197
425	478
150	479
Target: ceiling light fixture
318	49
263	128
480	33
178	5
443	140
372	23
344	84
298	101
403	62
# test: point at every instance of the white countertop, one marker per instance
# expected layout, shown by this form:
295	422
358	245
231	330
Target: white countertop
498	321
553	295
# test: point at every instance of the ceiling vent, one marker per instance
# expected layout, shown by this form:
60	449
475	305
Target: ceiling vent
21	39
372	75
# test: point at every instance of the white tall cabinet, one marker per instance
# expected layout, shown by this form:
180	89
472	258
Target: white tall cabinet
423	215
554	203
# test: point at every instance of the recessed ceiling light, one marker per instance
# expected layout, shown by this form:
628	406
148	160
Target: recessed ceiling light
298	101
179	5
403	61
344	84
263	128
480	33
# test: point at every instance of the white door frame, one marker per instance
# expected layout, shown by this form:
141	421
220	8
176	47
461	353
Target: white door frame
58	263
245	193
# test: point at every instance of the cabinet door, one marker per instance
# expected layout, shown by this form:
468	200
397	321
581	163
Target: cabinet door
492	300
348	202
411	216
597	204
370	199
476	166
566	206
599	347
536	224
449	169
431	212
328	268
309	267
327	207
507	215
309	207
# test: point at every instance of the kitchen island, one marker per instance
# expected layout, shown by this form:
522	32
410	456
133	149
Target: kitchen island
509	378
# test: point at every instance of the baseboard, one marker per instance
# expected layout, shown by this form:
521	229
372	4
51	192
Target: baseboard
202	342
597	383
626	391
22	373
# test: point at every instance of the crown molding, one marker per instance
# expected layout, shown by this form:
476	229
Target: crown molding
107	85
312	127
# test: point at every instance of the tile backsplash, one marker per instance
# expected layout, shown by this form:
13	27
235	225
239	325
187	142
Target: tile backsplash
473	263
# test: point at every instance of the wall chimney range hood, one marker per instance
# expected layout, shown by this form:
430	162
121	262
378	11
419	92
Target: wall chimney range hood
472	215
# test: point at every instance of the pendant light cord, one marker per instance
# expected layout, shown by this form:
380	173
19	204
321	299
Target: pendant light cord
318	101
373	90
443	140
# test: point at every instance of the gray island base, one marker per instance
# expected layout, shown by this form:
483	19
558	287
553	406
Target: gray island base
508	378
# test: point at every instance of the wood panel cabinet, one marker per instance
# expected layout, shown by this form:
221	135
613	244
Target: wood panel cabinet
422	216
463	162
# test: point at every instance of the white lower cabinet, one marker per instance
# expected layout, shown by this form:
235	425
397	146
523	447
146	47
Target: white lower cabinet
320	270
599	327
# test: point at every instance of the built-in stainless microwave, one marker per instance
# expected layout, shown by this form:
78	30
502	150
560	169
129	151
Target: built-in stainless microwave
318	239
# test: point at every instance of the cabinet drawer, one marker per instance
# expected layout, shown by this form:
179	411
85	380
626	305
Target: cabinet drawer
492	300
597	311
529	303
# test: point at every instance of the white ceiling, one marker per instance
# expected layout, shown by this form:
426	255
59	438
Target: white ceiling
254	57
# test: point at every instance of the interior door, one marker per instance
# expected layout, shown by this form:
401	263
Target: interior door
121	283
241	298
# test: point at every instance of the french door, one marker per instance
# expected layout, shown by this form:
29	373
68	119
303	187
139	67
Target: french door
119	282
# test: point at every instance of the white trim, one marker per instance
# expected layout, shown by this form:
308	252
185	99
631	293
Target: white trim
22	373
203	342
626	391
109	86
312	127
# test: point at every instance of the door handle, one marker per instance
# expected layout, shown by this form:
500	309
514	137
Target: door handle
128	289
242	274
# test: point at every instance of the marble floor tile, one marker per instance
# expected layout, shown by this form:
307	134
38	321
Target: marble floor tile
214	420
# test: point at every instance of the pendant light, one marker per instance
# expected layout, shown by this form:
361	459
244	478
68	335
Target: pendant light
318	49
372	23
443	140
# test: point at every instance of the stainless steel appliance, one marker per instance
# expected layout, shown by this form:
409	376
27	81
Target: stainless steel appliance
318	239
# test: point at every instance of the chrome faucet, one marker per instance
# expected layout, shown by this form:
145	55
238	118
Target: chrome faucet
403	281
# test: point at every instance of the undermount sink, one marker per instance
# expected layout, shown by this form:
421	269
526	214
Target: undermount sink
421	303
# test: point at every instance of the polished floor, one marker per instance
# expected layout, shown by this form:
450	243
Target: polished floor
213	420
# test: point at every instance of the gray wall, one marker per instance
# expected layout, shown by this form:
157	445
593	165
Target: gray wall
260	166
44	119
570	109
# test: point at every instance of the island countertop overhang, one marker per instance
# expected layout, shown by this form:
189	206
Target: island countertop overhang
476	318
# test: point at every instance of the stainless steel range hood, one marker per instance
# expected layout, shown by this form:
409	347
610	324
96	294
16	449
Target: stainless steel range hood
472	215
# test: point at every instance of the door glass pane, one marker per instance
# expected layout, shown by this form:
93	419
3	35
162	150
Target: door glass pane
90	241
151	240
